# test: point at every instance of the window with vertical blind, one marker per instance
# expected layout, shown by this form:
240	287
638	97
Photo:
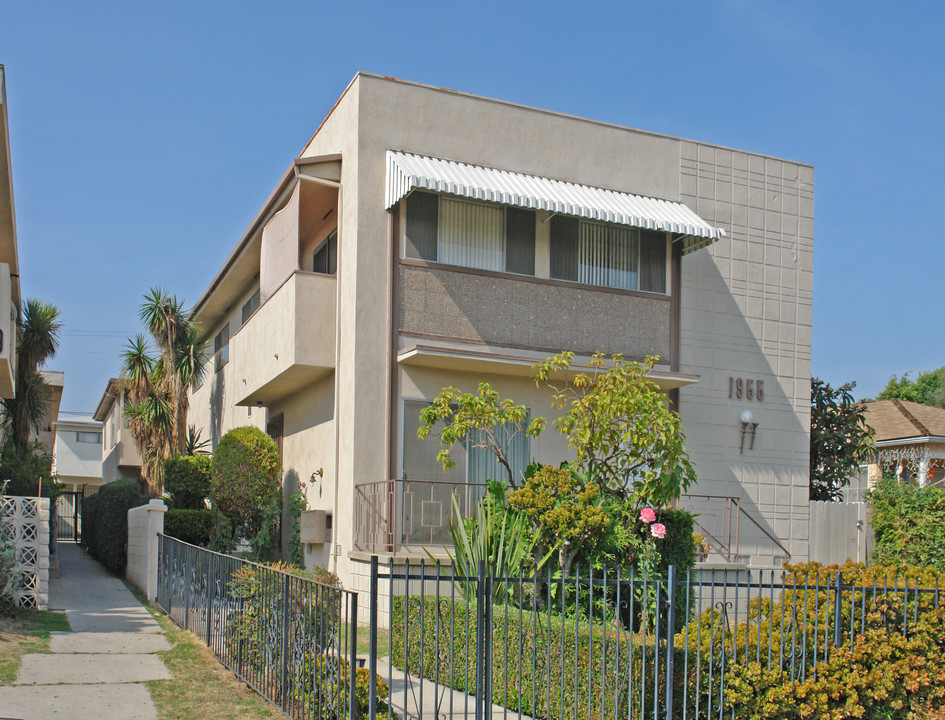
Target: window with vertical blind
608	255
473	464
470	234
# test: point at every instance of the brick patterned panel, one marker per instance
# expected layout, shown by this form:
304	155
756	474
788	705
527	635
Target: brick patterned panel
24	523
469	307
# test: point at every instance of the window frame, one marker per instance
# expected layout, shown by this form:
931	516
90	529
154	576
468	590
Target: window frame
80	433
221	350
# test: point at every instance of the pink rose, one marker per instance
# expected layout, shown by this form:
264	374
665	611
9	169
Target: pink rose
658	530
648	515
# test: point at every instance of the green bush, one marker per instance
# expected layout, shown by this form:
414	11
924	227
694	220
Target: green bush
191	526
24	474
909	524
187	480
545	666
105	522
245	483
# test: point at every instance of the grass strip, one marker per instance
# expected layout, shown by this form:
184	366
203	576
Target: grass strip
22	632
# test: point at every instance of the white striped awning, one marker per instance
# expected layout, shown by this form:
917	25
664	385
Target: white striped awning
406	171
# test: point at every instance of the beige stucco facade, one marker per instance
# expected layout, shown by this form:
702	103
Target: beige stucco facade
327	362
9	263
77	456
120	456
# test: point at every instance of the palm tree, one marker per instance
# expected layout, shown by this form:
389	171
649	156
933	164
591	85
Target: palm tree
37	342
156	384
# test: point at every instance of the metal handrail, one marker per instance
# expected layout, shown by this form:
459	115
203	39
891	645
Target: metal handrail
732	504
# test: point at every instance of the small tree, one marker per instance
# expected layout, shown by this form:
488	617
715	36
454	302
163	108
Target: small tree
620	427
245	485
486	419
840	439
928	388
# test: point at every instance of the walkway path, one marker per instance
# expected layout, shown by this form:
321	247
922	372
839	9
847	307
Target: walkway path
97	670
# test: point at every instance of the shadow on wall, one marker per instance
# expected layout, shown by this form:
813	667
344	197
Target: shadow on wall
726	337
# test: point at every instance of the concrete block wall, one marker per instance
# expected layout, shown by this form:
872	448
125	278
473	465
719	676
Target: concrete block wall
145	523
24	521
746	312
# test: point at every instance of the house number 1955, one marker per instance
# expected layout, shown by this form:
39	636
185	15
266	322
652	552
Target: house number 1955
748	388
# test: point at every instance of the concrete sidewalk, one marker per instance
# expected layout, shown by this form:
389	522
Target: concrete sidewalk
97	670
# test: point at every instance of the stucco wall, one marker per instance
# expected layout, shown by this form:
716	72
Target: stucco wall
457	305
746	312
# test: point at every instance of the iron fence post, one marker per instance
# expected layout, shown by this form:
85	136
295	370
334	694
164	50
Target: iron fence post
285	643
480	660
372	659
838	583
670	637
186	590
209	601
353	658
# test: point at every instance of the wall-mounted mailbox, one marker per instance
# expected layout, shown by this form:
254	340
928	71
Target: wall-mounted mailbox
315	527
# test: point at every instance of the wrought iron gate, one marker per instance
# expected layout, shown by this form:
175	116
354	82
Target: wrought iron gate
69	516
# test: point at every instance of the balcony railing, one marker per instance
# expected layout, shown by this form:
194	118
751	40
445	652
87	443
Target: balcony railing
400	515
395	515
718	518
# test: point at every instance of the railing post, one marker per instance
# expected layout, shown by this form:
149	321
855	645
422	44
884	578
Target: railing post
186	588
670	637
353	658
372	660
838	583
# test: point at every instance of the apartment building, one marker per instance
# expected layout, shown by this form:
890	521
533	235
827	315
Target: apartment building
425	237
77	458
120	456
9	265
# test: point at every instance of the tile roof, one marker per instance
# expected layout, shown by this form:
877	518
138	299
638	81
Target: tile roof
902	419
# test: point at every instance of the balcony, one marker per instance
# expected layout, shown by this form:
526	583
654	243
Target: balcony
289	341
400	515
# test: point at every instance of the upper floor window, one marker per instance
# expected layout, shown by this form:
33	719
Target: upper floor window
325	256
249	307
221	348
89	437
470	234
608	255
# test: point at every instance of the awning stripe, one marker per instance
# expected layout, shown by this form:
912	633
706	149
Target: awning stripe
407	171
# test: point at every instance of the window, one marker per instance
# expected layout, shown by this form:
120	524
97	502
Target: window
470	234
221	348
94	438
249	307
608	255
325	256
473	464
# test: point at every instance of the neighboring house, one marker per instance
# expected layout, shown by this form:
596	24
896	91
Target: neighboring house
45	434
910	440
78	453
426	237
9	265
120	457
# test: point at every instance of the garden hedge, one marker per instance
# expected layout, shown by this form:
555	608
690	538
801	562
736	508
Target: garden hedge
245	478
191	526
909	524
187	480
105	522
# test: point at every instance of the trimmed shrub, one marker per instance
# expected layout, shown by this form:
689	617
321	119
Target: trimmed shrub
191	526
909	524
536	658
245	479
187	480
105	522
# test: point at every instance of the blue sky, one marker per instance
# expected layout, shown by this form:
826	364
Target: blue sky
145	139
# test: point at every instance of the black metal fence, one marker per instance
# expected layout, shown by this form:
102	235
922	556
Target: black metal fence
587	646
602	645
291	639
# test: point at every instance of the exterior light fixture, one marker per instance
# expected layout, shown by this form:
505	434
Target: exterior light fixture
748	427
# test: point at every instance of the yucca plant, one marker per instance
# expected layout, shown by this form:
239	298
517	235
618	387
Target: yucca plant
496	536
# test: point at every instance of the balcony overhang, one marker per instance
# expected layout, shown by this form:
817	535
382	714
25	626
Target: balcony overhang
517	364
